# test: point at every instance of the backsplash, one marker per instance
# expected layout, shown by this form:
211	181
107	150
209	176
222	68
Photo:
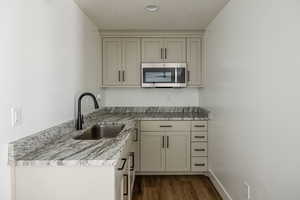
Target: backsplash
152	97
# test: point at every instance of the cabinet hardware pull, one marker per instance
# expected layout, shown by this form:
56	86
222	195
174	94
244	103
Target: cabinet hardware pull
161	53
167	141
119	75
132	161
165	126
165	53
199	165
136	135
123	165
123	75
125	185
200	137
199	126
188	75
163	142
199	149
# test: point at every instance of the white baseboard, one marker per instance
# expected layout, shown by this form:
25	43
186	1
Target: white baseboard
218	185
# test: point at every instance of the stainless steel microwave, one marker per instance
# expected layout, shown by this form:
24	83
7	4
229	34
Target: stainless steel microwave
163	75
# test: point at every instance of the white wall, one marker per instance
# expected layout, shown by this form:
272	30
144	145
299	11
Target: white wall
152	97
48	53
253	93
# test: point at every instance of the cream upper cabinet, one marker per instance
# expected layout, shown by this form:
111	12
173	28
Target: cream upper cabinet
178	151
112	61
195	62
174	50
122	58
121	62
131	62
163	50
152	50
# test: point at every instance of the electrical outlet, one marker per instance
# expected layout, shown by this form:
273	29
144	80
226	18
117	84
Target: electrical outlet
16	116
247	190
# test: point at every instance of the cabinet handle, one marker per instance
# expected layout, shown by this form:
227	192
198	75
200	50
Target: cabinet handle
199	126
199	149
167	141
199	165
132	161
163	142
123	165
125	184
165	53
123	75
136	135
119	72
200	137
165	126
188	75
161	53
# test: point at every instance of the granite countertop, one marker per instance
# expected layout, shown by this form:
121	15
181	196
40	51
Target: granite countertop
56	146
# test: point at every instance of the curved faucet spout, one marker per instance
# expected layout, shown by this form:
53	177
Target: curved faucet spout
79	120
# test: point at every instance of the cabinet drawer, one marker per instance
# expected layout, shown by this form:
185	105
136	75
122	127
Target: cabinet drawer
199	137
165	126
199	149
199	164
199	125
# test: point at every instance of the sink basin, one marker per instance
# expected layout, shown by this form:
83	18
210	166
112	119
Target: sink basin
99	131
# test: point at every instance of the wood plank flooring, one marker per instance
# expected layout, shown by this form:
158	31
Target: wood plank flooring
174	188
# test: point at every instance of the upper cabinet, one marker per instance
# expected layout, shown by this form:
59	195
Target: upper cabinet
123	53
121	62
175	50
152	50
112	62
131	59
163	50
195	62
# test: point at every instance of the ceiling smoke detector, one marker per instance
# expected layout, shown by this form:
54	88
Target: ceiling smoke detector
152	8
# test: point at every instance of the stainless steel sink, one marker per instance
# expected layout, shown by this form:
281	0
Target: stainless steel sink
99	131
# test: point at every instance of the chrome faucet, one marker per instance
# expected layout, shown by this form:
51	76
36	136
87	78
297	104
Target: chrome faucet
80	120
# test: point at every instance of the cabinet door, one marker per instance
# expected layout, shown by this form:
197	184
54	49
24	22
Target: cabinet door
131	62
152	152
195	68
152	50
175	50
112	60
178	151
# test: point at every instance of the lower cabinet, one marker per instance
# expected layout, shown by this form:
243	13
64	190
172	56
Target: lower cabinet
152	152
78	182
162	151
173	146
177	151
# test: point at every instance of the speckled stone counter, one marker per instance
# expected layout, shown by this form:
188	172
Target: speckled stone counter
56	146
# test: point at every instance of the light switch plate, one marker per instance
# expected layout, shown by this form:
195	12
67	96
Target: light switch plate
16	116
247	190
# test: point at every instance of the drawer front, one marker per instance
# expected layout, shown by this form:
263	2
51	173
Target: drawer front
199	137
199	164
199	149
199	125
154	126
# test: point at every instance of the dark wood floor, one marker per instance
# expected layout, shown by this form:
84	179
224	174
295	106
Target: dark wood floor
174	188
